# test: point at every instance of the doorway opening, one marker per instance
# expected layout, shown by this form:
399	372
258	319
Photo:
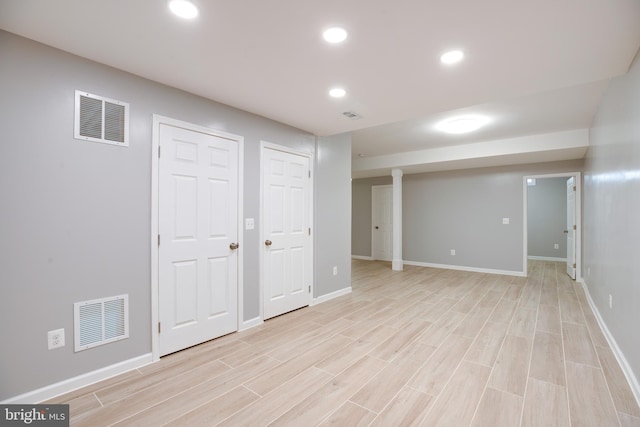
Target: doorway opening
552	226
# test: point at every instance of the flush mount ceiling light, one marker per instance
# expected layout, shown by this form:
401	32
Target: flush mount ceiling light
337	92
462	124
335	35
183	8
452	57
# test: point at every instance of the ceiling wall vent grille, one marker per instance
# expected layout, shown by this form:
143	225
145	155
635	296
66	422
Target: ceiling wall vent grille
351	115
100	321
100	119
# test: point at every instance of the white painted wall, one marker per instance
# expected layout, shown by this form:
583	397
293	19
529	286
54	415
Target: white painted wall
76	215
332	215
612	211
459	210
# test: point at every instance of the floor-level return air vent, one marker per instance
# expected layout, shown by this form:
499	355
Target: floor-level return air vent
100	321
100	119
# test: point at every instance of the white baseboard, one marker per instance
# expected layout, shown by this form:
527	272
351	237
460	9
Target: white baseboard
546	258
622	361
251	323
62	387
465	268
366	258
330	296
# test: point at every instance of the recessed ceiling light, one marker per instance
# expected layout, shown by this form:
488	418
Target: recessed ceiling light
335	35
337	92
183	8
452	57
462	124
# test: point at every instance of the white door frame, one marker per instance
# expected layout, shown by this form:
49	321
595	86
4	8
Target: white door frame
264	145
577	176
155	144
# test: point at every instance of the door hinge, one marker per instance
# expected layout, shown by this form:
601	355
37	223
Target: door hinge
158	240
574	266
309	288
159	328
158	151
309	174
574	227
309	231
574	188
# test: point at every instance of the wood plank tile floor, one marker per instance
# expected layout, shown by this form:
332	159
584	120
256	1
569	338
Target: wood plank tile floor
422	347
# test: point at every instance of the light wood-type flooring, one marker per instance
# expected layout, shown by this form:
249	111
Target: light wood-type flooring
424	346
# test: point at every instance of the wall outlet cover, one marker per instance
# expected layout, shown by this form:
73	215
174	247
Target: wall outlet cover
55	338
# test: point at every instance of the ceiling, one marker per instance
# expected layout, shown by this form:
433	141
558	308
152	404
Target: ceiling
533	67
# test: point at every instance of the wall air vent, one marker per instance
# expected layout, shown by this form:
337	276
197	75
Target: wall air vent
100	119
351	115
100	321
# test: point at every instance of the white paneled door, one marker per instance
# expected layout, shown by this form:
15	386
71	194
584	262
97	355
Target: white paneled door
382	222
571	227
287	249
198	237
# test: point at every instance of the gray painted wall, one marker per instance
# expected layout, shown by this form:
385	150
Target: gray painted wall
462	210
332	214
547	218
612	212
361	217
76	215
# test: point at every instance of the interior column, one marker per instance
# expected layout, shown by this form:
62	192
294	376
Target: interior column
396	263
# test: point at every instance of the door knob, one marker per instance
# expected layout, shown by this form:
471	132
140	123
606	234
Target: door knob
566	231
377	227
234	246
268	242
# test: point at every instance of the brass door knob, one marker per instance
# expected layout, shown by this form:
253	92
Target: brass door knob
268	242
234	246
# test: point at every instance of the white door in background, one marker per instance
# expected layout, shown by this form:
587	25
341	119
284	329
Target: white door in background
382	222
287	248
198	237
571	227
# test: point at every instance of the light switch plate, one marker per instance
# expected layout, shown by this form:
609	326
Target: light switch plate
505	221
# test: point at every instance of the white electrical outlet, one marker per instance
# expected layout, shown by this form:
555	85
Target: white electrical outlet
556	246
610	301
335	270
55	338
453	251
505	221
249	224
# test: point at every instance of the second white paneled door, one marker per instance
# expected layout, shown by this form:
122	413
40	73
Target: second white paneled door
287	248
382	222
198	240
